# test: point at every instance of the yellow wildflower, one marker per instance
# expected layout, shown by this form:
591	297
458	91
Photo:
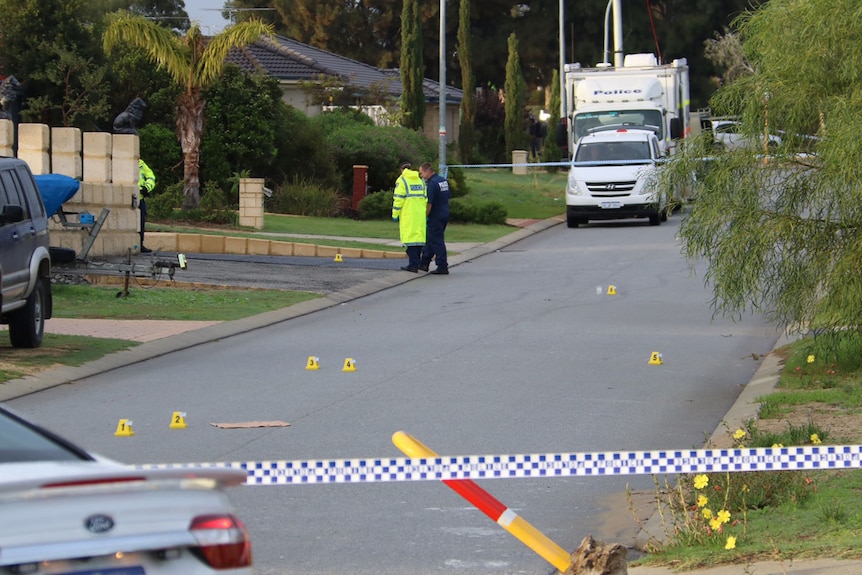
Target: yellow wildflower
715	523
815	439
701	481
702	500
731	542
707	513
724	516
739	434
810	359
777	445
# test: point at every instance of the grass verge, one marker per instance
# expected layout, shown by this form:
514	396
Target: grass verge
537	195
741	518
83	301
77	301
56	351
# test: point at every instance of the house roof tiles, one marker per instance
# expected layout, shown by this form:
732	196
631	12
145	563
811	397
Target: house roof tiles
286	59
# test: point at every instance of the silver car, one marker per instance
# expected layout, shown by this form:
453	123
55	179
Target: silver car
66	511
728	135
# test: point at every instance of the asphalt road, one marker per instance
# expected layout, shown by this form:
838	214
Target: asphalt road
515	352
319	275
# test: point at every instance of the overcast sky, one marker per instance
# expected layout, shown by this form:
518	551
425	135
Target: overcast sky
207	13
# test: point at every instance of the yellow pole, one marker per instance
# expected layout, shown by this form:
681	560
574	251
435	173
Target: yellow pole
490	506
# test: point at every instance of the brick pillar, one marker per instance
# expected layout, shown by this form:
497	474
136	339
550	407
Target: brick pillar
251	202
125	153
34	141
66	152
7	138
98	148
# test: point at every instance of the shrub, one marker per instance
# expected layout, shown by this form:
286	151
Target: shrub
161	206
162	153
376	206
303	198
382	148
466	211
214	208
332	121
457	183
249	128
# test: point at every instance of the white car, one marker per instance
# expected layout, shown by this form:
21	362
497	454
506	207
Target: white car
65	511
727	135
612	176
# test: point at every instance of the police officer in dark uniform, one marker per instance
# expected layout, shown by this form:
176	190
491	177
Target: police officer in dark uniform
438	216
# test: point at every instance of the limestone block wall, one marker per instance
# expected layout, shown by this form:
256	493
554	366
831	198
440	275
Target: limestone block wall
106	165
251	202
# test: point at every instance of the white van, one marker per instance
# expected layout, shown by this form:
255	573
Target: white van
612	176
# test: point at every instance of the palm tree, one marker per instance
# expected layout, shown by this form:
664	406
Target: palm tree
194	62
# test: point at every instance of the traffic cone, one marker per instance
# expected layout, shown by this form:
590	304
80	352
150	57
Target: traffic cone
612	290
655	358
349	365
124	428
313	363
338	257
178	420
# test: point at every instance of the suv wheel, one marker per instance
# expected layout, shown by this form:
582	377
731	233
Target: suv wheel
27	324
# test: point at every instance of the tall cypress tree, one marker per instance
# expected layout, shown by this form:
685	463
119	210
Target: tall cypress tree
412	69
466	134
516	136
551	152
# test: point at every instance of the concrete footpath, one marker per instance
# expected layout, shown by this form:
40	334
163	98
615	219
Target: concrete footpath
162	337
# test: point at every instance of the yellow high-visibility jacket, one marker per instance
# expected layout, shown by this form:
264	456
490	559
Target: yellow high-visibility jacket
408	207
146	178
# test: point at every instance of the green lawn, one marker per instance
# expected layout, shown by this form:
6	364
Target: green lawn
538	195
81	301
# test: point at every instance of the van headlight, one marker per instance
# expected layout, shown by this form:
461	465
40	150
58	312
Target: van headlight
572	187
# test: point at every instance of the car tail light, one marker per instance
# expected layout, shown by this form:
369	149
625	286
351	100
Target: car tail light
224	542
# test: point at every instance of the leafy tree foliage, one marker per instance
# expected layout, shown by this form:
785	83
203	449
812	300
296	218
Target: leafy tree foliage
161	150
369	31
241	118
48	45
466	132
84	98
781	234
515	93
412	69
490	119
382	148
192	64
251	129
551	151
132	75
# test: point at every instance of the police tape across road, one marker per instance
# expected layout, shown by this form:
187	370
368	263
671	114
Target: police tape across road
585	464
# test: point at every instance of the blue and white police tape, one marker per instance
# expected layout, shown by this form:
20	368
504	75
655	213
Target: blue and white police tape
513	165
597	464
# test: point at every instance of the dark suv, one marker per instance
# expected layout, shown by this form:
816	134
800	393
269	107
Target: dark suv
25	263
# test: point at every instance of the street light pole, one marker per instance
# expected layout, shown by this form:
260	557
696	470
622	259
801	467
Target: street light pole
562	60
442	107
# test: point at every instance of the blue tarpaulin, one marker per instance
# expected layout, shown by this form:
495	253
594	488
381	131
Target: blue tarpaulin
56	190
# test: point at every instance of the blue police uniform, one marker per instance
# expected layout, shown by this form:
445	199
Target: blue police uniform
438	217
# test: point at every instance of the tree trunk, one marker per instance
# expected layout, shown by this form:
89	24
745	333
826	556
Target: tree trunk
190	128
